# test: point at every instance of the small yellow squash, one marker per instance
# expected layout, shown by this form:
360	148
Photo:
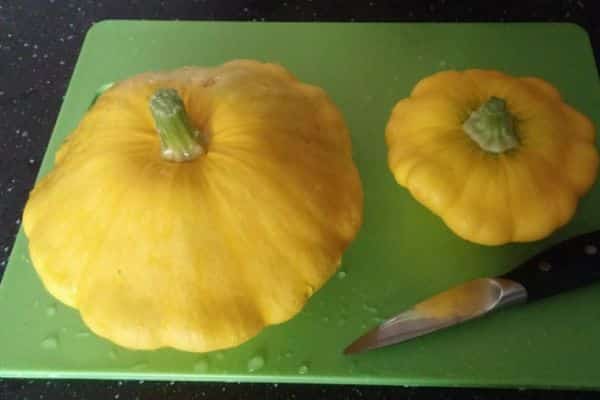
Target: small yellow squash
499	158
199	235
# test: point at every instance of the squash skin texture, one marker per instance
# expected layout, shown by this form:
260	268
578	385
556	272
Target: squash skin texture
198	255
517	196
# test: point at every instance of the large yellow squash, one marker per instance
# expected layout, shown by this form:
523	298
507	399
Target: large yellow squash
500	159
199	237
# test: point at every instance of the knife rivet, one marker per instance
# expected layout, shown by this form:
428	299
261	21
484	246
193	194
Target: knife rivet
590	249
545	266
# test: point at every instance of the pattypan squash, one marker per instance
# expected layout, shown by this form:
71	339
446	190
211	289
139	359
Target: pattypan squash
191	208
499	158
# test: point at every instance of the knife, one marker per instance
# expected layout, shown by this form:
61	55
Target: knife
566	266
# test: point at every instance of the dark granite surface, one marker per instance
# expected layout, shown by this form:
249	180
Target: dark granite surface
39	44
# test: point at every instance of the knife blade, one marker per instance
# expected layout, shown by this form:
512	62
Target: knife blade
565	266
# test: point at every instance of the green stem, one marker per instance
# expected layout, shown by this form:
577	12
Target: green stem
492	127
179	140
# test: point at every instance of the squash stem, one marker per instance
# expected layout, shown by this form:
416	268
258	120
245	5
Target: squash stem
492	127
179	140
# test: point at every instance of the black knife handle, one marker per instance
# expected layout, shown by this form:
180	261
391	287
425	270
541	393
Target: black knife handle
567	265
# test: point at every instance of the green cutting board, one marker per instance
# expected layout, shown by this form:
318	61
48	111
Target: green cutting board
402	254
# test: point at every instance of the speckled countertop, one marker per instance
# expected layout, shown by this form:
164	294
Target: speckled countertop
39	44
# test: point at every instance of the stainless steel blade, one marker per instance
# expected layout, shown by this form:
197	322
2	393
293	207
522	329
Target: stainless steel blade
453	306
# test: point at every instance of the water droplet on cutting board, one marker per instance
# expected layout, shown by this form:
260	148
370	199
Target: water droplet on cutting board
341	275
325	319
201	366
139	366
289	354
50	343
256	363
370	309
219	356
83	334
303	369
113	354
51	310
